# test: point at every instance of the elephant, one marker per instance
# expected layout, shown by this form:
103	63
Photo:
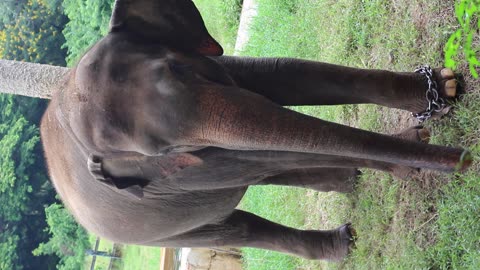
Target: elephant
154	136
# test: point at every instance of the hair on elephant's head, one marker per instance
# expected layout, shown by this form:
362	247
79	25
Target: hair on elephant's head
176	23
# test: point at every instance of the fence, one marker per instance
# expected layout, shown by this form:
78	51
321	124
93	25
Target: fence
96	253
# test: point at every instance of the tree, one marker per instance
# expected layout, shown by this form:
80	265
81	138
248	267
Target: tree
3	39
31	80
8	247
68	241
34	35
29	31
9	9
88	23
24	187
32	30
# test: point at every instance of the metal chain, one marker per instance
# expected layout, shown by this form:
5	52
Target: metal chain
435	102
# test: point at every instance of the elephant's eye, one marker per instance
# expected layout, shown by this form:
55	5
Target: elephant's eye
180	69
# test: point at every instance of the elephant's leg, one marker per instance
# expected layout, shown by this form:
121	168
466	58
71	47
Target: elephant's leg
288	81
193	171
243	229
319	179
343	177
214	168
237	119
414	134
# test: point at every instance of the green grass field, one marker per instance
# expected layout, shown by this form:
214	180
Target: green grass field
136	257
429	222
223	23
132	257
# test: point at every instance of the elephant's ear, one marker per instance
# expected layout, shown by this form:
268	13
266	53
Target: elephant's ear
129	186
174	22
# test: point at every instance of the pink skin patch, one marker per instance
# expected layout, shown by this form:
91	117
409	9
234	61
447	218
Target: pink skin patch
210	47
177	162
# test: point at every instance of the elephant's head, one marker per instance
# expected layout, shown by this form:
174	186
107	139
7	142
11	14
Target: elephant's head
176	23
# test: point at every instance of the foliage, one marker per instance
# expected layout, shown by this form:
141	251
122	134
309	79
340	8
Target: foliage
24	187
88	23
8	247
467	13
52	4
30	30
3	38
35	34
18	140
68	240
9	9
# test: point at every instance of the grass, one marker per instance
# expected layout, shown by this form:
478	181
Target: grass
140	258
223	22
458	232
279	204
429	222
457	244
132	257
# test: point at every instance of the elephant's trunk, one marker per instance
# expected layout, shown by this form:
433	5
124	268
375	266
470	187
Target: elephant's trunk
32	80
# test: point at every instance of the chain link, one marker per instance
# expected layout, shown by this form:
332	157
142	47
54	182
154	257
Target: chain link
435	102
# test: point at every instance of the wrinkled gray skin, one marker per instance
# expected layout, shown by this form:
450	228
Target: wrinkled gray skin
155	138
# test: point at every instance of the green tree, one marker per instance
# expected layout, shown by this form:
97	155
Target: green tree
30	30
68	240
467	13
24	188
3	38
35	34
88	23
9	9
8	245
33	31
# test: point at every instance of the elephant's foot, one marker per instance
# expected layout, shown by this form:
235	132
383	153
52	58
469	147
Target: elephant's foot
447	91
339	244
346	236
416	134
341	180
319	179
448	83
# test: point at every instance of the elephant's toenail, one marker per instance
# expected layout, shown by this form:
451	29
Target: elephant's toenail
353	232
447	73
451	88
424	135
